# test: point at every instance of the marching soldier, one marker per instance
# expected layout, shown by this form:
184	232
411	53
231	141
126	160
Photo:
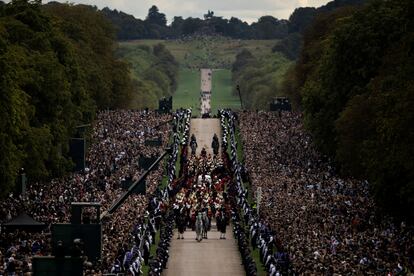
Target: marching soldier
215	144
193	144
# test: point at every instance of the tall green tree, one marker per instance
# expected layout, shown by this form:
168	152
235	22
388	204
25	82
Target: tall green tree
155	17
355	83
57	67
258	79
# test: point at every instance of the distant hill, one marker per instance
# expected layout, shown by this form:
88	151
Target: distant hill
201	51
154	26
288	32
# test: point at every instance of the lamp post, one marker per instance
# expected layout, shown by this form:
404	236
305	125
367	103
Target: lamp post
241	101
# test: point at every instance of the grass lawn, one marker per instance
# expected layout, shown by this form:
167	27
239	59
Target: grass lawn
188	90
222	96
153	250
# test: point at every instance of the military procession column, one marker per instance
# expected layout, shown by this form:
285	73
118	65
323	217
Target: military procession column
202	208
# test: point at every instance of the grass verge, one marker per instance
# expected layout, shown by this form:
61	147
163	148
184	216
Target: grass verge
153	250
188	90
222	94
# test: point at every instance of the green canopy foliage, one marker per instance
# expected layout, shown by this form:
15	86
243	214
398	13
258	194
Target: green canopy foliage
155	26
155	17
354	82
57	67
155	72
259	78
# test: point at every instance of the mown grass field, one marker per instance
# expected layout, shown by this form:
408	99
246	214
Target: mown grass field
222	96
188	90
211	52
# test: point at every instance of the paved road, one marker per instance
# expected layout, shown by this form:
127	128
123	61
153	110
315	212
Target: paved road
206	76
204	130
211	256
205	87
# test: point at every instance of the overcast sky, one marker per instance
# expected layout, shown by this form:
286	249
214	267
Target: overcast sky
247	10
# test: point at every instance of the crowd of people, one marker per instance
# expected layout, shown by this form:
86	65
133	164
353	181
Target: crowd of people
250	231
158	213
117	141
326	224
310	221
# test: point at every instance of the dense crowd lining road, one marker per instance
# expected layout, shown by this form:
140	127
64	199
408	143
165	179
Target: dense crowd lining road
118	139
328	224
311	220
